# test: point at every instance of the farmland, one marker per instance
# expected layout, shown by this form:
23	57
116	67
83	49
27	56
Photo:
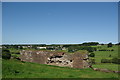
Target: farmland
105	55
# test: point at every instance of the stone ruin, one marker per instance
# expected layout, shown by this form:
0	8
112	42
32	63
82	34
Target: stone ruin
76	60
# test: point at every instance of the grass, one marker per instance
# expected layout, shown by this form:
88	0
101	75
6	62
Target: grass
83	51
109	66
17	69
14	50
105	54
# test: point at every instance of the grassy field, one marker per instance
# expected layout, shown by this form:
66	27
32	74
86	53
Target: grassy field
105	54
16	69
109	66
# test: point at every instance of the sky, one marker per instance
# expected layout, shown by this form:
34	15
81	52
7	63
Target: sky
0	23
59	22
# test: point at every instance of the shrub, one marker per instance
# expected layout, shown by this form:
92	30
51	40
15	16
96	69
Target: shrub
6	54
92	55
106	61
116	60
73	48
14	52
110	55
112	50
14	56
103	50
92	61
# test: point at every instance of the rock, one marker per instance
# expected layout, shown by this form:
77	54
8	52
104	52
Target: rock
116	71
96	69
105	70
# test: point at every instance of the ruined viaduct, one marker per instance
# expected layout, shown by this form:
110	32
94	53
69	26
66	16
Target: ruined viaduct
76	60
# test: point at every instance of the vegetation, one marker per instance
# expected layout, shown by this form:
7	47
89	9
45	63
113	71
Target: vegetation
6	54
109	66
16	69
113	60
101	56
109	45
92	55
116	60
92	61
106	61
76	48
90	43
107	54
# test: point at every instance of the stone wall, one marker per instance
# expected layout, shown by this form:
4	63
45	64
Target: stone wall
76	60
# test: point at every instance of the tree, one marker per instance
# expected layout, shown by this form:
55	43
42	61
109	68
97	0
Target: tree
109	45
6	54
90	43
73	48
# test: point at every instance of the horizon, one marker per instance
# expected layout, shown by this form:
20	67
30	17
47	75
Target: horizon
59	22
53	43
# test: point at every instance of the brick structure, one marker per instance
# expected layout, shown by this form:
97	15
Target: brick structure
76	60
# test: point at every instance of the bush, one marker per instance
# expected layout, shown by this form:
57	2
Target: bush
92	55
116	60
103	50
14	56
14	52
92	61
110	55
73	48
6	54
112	50
106	61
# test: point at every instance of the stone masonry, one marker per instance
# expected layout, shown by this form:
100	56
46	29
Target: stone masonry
76	60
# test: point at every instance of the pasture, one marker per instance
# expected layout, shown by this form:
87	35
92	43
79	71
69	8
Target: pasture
17	69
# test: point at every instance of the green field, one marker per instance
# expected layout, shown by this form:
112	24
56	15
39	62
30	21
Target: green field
109	66
17	69
105	54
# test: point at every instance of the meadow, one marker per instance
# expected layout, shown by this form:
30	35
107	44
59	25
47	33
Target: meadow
105	55
17	69
110	66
